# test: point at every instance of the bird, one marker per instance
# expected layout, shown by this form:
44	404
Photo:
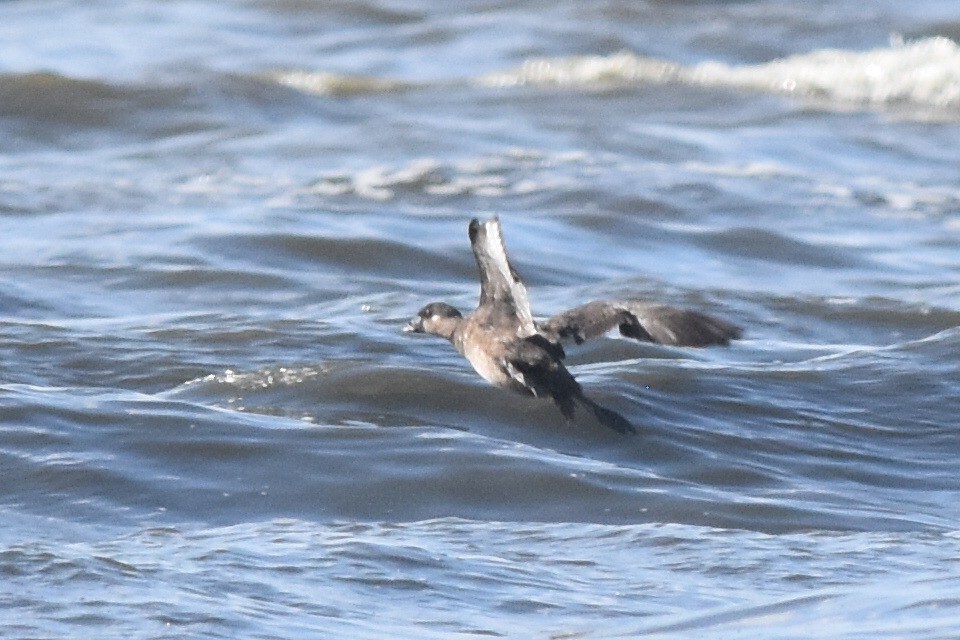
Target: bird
512	350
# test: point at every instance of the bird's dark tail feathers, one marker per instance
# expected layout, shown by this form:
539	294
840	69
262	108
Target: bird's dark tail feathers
606	417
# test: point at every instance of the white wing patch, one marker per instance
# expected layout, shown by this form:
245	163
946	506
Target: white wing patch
517	375
498	254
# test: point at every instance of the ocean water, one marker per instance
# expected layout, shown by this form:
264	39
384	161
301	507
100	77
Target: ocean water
215	219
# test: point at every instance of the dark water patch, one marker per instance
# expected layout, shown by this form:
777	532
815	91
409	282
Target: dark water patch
769	246
43	96
54	110
200	278
343	13
18	301
342	254
874	320
64	352
146	119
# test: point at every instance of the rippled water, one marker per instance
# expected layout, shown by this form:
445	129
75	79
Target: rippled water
216	217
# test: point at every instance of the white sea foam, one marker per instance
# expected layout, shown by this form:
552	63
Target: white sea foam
925	72
617	69
324	83
517	171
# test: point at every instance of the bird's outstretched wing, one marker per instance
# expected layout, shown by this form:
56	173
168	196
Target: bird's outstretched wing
500	284
647	322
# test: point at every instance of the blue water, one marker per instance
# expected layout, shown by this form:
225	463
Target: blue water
215	219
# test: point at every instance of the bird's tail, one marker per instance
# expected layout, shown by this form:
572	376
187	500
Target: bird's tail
606	417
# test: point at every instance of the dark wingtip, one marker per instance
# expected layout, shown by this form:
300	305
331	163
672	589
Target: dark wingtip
734	332
473	230
663	324
719	332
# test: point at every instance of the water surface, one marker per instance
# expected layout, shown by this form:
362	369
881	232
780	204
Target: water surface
216	217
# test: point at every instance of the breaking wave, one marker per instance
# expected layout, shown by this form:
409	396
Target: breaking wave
924	72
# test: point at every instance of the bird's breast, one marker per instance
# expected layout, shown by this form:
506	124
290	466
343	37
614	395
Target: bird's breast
488	350
490	366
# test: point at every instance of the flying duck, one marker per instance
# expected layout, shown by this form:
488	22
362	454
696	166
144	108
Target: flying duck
510	349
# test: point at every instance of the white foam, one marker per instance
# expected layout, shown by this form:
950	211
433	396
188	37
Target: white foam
925	72
493	176
323	83
620	68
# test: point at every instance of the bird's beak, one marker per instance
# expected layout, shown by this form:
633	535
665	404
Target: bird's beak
414	326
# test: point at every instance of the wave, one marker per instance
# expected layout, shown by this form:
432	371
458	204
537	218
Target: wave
924	73
680	580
